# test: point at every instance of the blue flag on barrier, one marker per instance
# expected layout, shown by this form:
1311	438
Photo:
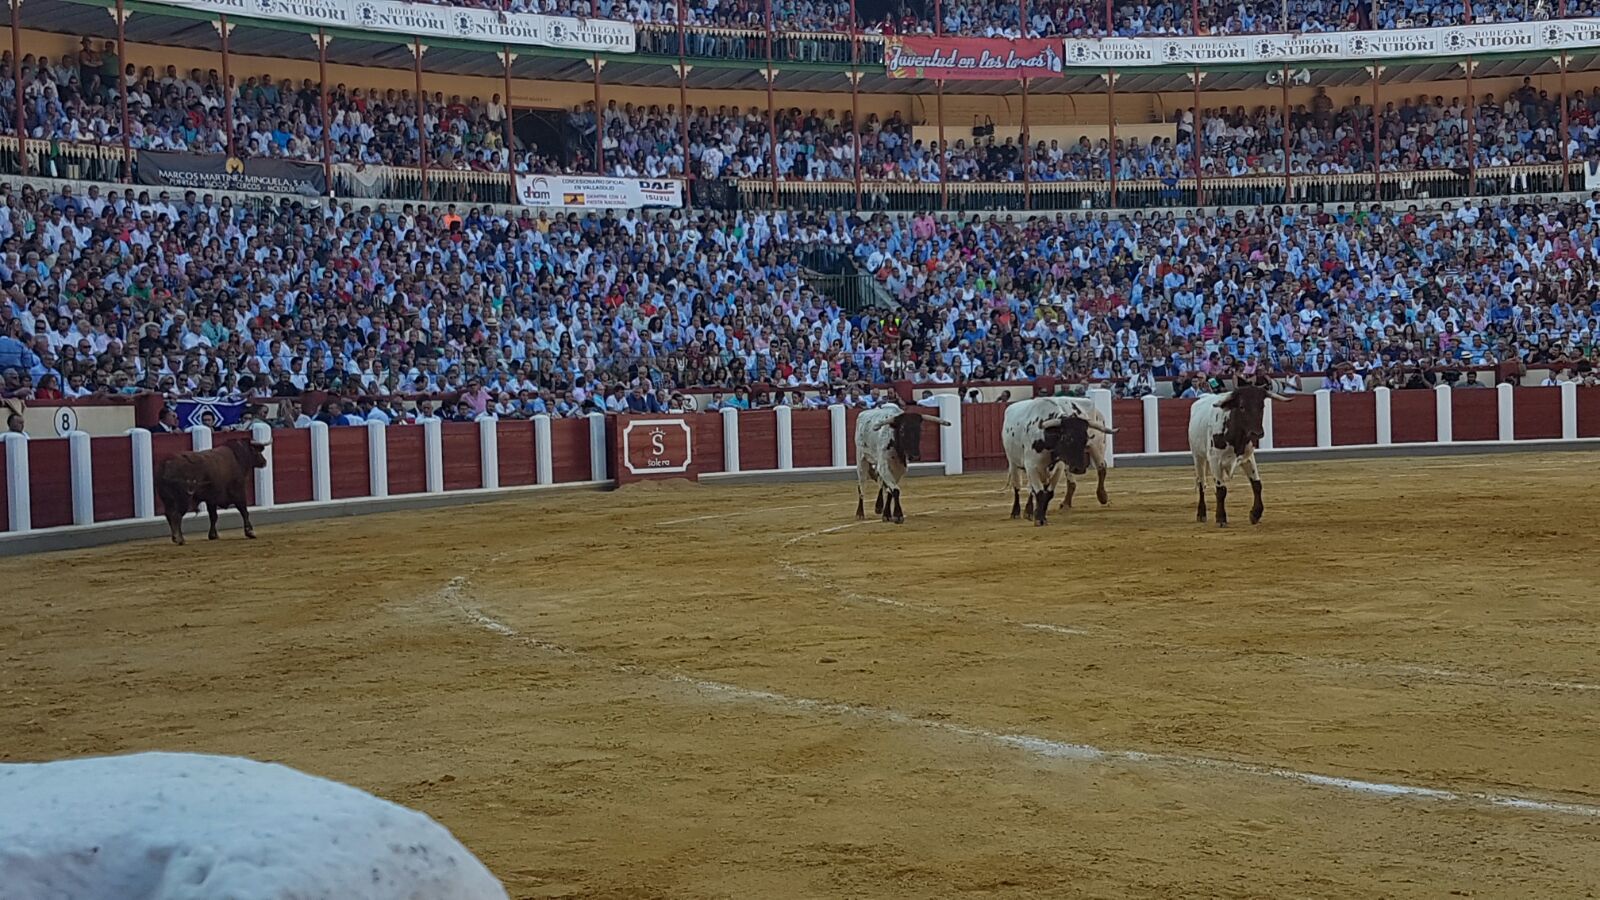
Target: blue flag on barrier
190	411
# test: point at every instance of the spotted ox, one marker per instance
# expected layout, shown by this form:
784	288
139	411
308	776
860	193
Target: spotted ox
214	477
1224	432
888	439
1045	436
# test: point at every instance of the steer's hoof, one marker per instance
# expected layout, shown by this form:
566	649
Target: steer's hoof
1104	500
250	534
899	518
212	536
178	541
1222	523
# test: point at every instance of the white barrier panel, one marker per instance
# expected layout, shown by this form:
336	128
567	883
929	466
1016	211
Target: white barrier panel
19	494
951	451
266	497
837	438
543	459
597	446
1101	398
1506	407
489	451
785	418
82	478
433	454
730	439
1444	414
321	474
200	437
1385	415
1324	418
1569	411
144	473
1152	423
377	458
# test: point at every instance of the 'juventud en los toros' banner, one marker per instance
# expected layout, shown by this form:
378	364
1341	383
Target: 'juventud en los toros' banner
989	59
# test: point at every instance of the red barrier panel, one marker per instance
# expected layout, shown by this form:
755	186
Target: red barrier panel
1413	417
660	446
812	434
111	458
1174	419
463	457
50	482
5	496
1127	417
931	449
569	449
982	445
1294	424
408	459
1588	412
1536	413
1355	419
518	461
163	447
349	470
758	441
291	465
1475	414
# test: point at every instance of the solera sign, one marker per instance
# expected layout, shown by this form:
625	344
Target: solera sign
656	447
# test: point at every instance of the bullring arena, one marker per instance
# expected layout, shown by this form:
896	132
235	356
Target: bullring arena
1387	688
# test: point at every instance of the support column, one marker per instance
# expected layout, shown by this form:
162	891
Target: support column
1324	418
1566	133
417	49
143	474
730	439
1152	423
772	111
597	446
1266	427
19	497
784	418
200	438
1111	122
489	452
506	59
1377	137
944	154
1101	398
1444	414
1288	170
322	40
683	97
1383	410
543	461
1569	410
1199	180
1472	126
1027	148
266	495
951	452
224	29
121	13
321	473
838	436
21	110
82	477
377	459
433	454
596	63
1506	410
855	95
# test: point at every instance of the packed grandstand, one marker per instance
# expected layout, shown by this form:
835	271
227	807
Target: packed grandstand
1376	232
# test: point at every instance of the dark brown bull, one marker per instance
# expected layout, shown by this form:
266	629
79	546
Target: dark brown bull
216	478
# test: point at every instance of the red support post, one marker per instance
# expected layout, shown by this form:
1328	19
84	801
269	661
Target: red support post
944	152
422	112
683	97
772	111
1110	19
1566	134
122	91
1194	12
1377	137
1027	152
1288	169
227	82
507	57
16	79
599	119
1199	178
322	106
1111	129
1472	132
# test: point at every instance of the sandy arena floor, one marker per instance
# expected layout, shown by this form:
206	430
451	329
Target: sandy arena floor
681	691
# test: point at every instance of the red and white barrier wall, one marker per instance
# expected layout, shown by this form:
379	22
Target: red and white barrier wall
81	481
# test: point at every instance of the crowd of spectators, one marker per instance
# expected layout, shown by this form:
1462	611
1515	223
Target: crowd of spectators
121	292
1056	18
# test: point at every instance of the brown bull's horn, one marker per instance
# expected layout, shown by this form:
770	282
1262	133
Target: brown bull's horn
929	418
1277	396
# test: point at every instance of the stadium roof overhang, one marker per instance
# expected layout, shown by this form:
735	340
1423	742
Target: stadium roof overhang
168	25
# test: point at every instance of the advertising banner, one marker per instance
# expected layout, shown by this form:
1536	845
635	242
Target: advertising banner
1375	46
430	21
971	58
189	171
594	192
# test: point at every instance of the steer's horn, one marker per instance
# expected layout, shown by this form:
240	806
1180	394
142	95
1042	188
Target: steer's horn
928	418
1052	423
1096	426
1277	396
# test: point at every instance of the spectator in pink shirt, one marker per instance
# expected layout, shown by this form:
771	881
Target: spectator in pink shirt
476	397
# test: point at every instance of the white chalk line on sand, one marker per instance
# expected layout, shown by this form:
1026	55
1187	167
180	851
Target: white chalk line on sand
1400	670
454	595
